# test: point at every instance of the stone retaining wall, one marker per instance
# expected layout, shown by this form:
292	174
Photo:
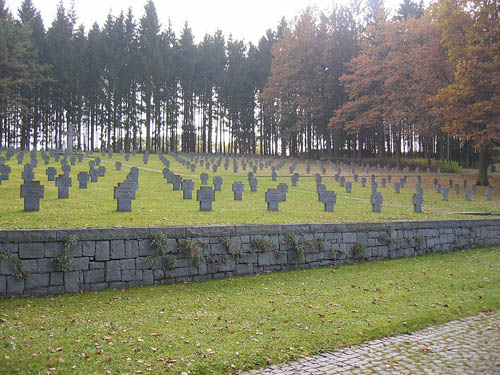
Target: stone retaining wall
122	257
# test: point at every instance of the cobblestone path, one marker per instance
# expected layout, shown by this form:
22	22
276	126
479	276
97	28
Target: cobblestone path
468	346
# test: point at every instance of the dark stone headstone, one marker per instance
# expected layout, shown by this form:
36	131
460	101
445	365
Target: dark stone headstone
238	188
32	192
205	195
418	201
118	166
273	198
83	179
329	199
124	193
63	184
28	174
376	200
253	184
51	173
177	182
217	180
187	189
204	178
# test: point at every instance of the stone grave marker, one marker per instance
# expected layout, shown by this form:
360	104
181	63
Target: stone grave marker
274	175
205	195
384	182
445	192
329	199
63	184
51	173
397	187
127	157
72	160
187	189
273	198
348	187
318	178
177	182
376	200
83	179
101	171
217	181
320	189
253	184
204	178
27	174
238	188
66	169
93	175
295	179
124	193
283	188
118	166
374	187
342	181
97	161
468	194
32	192
418	201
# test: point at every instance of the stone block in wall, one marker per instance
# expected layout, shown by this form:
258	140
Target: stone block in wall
96	266
142	263
15	286
56	289
266	259
30	266
245	239
31	250
37	292
81	264
57	278
101	250
71	282
127	264
117	285
147	277
218	249
98	286
3	285
117	249
248	258
244	269
92	277
113	271
131	275
37	280
145	249
88	248
228	265
7	266
53	249
158	274
349	237
131	248
45	265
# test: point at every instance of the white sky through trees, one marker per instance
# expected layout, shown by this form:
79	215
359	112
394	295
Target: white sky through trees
244	19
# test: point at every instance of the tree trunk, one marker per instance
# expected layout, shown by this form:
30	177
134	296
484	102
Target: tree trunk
484	161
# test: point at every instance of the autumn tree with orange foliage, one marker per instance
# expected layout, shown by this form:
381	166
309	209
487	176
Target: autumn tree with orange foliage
471	105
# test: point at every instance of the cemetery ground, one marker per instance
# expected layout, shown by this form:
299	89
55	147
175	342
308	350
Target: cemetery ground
156	203
223	326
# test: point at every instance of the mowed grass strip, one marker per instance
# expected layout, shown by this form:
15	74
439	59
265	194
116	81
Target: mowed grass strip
156	203
220	327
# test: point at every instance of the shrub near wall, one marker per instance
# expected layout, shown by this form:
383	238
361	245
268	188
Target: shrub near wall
41	262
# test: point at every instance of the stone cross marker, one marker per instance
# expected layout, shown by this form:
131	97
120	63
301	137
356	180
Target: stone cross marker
318	179
384	182
283	188
177	182
374	187
295	179
468	194
238	188
205	196
97	161
66	170
320	189
83	179
101	171
51	173
418	201
124	193
253	184
445	191
93	175
187	189
118	166
32	192
204	178
217	180
342	181
273	198
63	184
397	187
329	199
348	187
28	174
274	175
376	200
363	181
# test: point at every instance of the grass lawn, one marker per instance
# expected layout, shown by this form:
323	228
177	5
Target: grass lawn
157	204
219	327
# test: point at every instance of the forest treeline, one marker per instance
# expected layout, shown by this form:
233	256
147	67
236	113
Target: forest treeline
353	82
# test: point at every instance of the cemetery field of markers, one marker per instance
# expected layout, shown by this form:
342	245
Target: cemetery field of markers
53	190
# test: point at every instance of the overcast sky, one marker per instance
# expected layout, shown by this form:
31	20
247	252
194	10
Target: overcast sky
246	20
